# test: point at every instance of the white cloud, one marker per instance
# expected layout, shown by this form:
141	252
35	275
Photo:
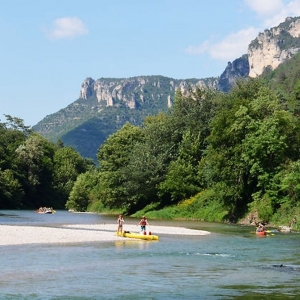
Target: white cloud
234	45
199	49
273	12
228	49
67	28
265	7
270	13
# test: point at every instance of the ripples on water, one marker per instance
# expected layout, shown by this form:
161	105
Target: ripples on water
231	263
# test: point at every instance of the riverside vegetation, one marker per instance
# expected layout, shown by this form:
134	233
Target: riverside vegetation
214	156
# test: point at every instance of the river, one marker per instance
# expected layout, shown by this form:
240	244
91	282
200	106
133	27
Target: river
230	263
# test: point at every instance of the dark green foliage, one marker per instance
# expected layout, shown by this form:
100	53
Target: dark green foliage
12	134
35	164
286	77
68	164
149	160
33	172
11	192
113	157
82	191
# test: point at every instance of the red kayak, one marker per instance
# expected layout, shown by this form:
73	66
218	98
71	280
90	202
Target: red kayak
261	232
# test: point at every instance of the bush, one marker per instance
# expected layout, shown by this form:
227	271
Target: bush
264	208
204	206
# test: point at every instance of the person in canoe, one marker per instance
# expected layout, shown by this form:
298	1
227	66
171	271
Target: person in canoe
260	228
143	224
120	224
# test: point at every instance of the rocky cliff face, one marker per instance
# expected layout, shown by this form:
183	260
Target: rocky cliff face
271	48
125	99
137	91
239	68
274	46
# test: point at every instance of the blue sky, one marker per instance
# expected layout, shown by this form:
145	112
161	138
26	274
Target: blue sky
48	48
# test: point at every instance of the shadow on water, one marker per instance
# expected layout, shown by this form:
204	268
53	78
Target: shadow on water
283	268
252	295
10	215
268	291
265	290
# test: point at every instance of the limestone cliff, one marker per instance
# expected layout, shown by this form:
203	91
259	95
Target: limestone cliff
273	46
123	99
135	92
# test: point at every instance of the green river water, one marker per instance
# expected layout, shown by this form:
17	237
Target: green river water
230	263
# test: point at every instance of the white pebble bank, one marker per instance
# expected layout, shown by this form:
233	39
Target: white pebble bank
77	233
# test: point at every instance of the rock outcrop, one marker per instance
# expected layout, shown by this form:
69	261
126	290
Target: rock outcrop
239	68
273	46
134	92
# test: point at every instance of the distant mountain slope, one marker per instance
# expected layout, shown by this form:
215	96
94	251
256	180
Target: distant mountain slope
106	104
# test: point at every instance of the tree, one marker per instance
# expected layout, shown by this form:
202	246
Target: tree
182	180
10	139
17	124
81	193
11	192
68	164
35	161
114	156
149	161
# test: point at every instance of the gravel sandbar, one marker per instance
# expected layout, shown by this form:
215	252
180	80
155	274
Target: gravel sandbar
77	233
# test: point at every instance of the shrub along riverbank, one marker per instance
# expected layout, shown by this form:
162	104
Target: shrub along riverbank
197	208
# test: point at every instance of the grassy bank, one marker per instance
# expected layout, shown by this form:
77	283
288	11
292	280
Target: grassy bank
205	207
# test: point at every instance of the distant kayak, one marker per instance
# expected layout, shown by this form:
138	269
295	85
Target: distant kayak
261	232
138	236
45	210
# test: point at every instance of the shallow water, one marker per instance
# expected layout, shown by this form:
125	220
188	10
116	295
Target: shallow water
230	263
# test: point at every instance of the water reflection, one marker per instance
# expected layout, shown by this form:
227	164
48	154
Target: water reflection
283	268
133	244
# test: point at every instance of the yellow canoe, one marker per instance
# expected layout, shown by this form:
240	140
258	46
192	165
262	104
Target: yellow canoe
138	235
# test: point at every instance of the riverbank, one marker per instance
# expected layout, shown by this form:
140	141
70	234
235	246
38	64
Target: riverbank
77	233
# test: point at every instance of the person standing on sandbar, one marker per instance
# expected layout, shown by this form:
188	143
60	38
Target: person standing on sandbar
143	224
120	224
